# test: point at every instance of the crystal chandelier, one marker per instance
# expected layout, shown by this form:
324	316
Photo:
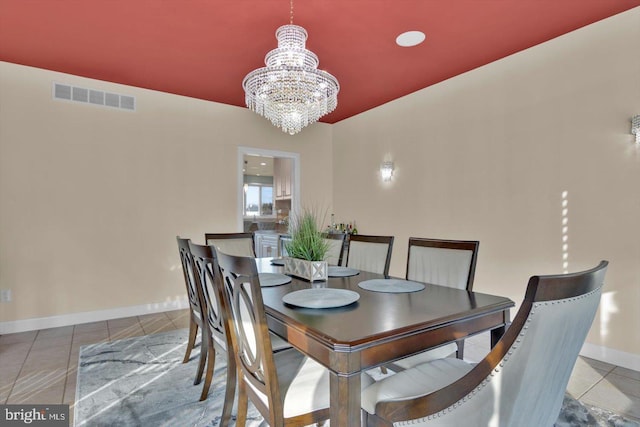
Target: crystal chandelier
290	91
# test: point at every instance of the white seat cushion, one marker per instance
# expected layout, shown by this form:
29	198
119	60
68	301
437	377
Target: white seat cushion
441	352
417	381
304	383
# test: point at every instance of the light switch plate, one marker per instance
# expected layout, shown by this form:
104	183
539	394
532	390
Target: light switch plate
5	295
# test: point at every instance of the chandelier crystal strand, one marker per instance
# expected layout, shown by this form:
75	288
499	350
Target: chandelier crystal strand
290	91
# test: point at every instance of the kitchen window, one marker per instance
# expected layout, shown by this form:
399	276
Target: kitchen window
258	200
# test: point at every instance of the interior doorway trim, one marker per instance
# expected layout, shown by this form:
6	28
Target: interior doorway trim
295	157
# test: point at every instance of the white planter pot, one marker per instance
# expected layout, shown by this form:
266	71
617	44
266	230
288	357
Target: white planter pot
313	271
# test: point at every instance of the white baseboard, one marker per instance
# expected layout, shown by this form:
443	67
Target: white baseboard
89	316
609	355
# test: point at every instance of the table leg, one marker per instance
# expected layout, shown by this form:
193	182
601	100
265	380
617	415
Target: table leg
345	400
497	333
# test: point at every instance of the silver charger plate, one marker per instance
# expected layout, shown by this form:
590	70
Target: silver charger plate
273	279
321	298
277	261
337	271
391	285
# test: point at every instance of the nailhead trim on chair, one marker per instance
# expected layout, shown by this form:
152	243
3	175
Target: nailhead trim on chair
502	362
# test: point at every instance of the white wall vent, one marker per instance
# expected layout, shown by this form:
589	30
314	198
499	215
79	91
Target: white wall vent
92	96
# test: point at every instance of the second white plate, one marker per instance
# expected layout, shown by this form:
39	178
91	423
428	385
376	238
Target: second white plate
391	285
337	271
321	298
273	279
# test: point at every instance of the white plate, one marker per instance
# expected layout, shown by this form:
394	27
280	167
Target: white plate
321	298
391	285
273	279
336	271
277	261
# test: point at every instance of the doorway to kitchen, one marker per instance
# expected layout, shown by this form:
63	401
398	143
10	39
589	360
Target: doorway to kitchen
268	188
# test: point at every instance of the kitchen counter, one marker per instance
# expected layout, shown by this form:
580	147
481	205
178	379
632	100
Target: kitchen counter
264	226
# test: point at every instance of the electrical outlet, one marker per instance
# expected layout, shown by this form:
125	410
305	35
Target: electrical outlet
5	295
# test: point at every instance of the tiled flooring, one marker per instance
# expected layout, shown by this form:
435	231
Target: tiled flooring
41	366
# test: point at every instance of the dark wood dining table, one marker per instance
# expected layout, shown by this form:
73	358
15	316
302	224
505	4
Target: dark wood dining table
377	329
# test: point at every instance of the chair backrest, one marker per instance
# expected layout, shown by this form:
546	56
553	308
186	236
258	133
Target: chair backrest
522	381
370	253
239	244
249	333
449	263
207	278
189	278
282	245
336	248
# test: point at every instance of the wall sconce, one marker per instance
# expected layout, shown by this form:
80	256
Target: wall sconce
635	127
386	171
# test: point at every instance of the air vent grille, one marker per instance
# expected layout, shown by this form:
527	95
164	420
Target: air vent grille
96	97
92	96
112	100
62	91
79	94
127	102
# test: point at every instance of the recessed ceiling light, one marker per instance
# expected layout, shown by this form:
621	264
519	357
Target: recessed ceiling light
263	164
410	38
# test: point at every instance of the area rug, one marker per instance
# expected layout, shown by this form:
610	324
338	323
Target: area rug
143	382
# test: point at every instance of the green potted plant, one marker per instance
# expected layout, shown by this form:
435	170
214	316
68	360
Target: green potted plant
307	248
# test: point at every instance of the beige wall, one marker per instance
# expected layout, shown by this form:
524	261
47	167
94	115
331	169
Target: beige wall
91	198
488	154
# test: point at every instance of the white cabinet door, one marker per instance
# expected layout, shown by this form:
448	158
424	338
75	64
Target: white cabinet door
286	192
282	178
266	245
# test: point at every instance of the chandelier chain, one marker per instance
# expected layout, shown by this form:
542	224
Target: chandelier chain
291	13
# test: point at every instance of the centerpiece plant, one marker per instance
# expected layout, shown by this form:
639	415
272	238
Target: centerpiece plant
308	247
307	241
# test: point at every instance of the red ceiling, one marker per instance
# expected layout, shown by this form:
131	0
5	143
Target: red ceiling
204	48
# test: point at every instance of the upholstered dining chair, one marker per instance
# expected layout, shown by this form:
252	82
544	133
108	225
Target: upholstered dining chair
240	244
195	310
450	263
286	387
370	253
520	383
282	245
336	248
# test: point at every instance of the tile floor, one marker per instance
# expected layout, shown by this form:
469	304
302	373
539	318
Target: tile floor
41	366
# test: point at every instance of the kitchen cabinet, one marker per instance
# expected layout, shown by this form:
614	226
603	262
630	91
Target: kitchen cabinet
282	178
266	244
